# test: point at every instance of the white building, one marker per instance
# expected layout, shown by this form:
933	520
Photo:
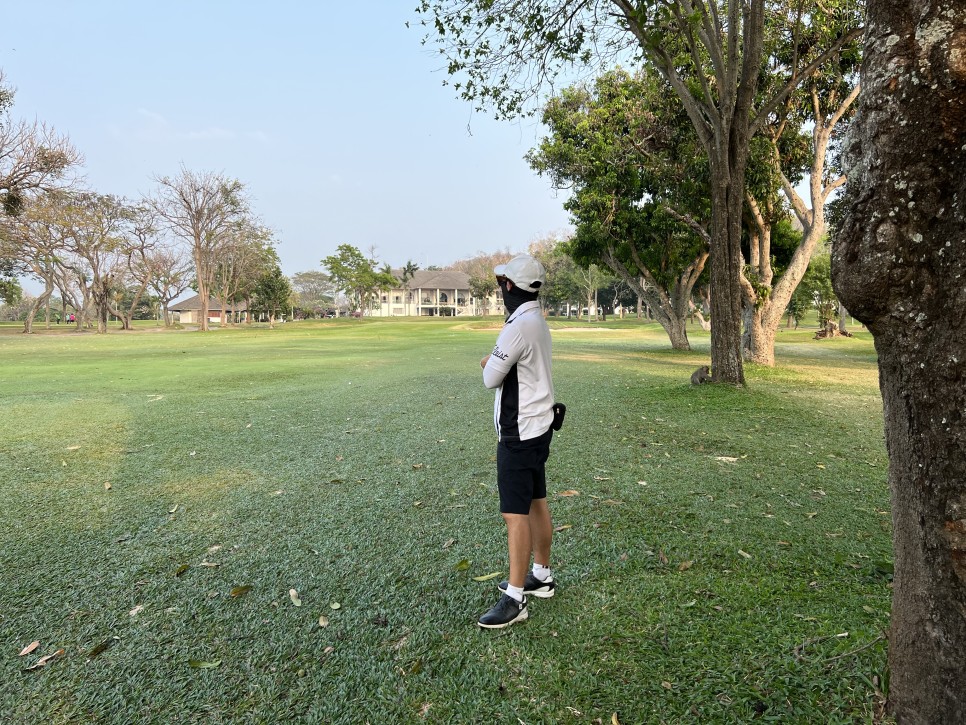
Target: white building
435	293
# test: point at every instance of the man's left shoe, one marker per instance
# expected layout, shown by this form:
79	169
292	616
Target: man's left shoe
504	613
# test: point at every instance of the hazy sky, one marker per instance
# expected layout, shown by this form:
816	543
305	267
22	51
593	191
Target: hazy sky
331	113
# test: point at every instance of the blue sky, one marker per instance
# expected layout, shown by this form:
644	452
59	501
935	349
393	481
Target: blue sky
331	113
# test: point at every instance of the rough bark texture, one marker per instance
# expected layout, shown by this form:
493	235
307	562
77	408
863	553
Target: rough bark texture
899	266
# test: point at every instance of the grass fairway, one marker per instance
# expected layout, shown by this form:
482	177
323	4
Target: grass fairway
725	558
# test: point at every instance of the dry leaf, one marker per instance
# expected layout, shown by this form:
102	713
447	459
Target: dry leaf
662	557
667	685
173	509
744	554
42	662
240	591
107	485
323	621
335	605
294	596
181	569
417	466
209	564
614	720
726	459
425	709
569	492
462	565
449	543
811	515
204	664
137	610
73	448
601	478
685	565
99	648
487	577
328	650
29	648
563	527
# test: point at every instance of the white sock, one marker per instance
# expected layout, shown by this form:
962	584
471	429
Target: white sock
515	592
541	572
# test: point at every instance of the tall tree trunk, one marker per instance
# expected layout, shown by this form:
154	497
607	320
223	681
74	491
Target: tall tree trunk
727	200
899	266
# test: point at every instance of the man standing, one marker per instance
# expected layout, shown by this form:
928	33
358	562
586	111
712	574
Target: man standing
519	370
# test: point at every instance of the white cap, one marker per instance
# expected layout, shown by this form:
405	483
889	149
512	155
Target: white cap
524	271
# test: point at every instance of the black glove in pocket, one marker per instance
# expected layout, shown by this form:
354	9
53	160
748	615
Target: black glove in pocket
559	411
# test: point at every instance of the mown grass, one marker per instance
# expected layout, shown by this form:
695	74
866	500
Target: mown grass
725	560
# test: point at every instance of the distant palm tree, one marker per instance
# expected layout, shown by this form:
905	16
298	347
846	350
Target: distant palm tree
407	274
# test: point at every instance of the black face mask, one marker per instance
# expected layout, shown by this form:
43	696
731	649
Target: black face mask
515	297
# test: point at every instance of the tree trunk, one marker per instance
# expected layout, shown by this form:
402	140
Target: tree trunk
727	195
843	319
899	266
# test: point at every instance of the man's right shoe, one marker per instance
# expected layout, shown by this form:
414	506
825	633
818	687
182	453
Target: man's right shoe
532	585
504	613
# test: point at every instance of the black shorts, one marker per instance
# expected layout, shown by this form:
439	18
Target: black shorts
520	473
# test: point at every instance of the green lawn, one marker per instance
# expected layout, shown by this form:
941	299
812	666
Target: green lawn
726	557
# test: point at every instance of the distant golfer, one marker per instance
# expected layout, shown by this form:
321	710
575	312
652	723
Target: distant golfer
519	369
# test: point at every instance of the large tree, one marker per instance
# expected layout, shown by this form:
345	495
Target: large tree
639	184
33	158
711	54
202	209
899	265
357	276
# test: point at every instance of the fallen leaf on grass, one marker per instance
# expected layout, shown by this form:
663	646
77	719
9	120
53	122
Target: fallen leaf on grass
43	661
99	648
662	557
107	485
417	466
294	596
335	605
240	591
569	492
667	685
449	543
614	720
29	648
204	664
811	515
328	650
744	554
424	709
73	448
137	610
181	569
726	459
685	565
323	621
487	577
173	509
209	564
564	527
601	478
462	565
